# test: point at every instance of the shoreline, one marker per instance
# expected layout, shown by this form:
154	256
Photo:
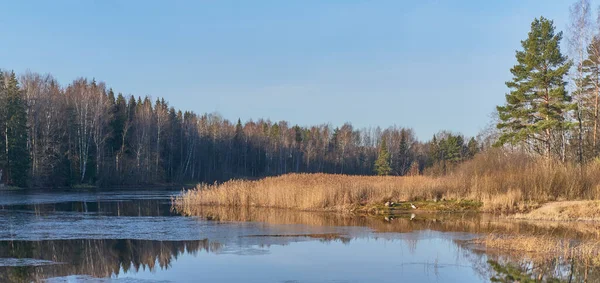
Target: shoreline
441	207
94	188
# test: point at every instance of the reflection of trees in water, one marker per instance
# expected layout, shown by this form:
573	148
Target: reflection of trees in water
445	222
511	266
98	258
504	269
399	223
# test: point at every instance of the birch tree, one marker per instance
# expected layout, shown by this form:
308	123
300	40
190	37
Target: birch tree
579	39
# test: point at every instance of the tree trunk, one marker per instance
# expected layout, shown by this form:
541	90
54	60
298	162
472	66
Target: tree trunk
596	94
580	138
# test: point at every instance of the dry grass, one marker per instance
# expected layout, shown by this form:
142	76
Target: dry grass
565	211
502	181
317	191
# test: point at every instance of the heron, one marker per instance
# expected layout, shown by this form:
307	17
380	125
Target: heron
413	206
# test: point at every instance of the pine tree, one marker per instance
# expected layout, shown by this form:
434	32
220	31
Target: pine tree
382	164
538	103
14	126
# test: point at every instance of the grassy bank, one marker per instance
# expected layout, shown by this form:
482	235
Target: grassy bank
497	181
564	211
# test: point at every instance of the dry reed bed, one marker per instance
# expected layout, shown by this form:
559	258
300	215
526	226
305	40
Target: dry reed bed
314	191
502	181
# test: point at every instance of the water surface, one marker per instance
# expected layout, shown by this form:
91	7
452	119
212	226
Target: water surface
136	236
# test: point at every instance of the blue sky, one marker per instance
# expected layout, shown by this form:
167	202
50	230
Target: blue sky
429	65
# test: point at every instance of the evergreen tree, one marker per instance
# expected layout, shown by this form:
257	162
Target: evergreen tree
538	103
239	148
472	148
239	132
15	162
382	164
433	152
404	158
117	124
452	147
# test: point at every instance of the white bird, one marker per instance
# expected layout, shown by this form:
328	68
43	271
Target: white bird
413	206
412	216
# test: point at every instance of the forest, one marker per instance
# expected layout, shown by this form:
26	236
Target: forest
85	134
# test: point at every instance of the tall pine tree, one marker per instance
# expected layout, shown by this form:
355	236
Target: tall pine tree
538	103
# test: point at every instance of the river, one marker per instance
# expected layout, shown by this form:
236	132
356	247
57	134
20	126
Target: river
136	236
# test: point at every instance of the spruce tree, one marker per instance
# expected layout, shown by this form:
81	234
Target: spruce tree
117	124
472	148
239	132
239	148
14	117
382	164
404	158
538	103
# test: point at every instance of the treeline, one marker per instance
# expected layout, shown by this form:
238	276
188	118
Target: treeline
85	133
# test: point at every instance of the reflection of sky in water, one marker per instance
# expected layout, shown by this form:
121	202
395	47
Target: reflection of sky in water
362	260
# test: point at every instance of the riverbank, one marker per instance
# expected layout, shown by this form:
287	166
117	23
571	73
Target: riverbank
496	181
564	211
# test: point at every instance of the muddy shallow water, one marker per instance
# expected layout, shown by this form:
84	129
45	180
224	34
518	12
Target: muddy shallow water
136	236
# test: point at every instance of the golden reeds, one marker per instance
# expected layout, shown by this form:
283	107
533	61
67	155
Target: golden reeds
502	181
314	191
